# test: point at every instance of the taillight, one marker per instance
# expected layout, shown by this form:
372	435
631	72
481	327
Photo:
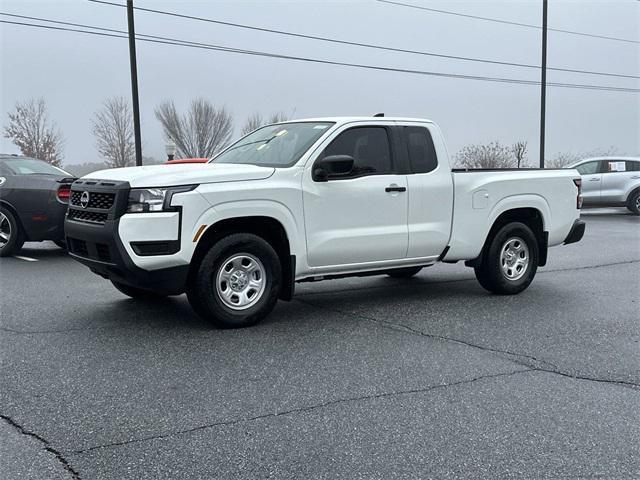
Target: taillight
578	183
64	192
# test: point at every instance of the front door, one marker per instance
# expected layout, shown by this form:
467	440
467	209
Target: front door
360	217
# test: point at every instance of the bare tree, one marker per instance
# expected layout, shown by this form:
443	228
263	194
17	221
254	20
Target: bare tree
113	129
519	150
33	133
278	117
492	155
562	159
255	121
201	132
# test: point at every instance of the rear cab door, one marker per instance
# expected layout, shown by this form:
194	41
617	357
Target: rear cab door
430	185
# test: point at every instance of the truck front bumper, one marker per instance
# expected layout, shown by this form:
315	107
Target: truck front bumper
99	247
576	233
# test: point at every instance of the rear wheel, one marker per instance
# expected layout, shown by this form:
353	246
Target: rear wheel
510	261
634	203
237	283
11	235
404	272
137	293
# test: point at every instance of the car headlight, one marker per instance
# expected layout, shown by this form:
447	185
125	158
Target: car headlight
154	199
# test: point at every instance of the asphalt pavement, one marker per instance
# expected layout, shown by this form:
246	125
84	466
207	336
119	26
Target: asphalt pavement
357	378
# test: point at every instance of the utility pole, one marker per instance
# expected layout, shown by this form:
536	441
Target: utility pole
543	82
134	82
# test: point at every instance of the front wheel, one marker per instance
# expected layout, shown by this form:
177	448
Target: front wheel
237	283
634	203
11	235
510	261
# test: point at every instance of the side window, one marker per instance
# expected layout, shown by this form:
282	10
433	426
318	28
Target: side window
369	147
422	153
588	168
611	166
633	166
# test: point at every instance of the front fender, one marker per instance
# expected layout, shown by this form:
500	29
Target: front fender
255	208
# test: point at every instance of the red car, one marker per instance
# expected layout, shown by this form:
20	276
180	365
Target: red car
187	160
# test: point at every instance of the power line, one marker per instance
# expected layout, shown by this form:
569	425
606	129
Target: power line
366	45
184	43
507	22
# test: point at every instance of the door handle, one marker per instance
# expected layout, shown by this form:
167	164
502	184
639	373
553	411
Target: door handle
594	180
395	188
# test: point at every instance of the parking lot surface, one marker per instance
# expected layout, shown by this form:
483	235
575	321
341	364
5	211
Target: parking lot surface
357	378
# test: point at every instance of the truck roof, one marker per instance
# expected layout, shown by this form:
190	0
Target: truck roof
357	119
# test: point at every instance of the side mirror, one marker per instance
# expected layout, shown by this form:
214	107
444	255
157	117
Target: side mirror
333	166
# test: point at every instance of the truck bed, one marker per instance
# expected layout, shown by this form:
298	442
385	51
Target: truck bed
480	194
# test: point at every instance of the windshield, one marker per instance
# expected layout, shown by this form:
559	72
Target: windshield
27	166
279	145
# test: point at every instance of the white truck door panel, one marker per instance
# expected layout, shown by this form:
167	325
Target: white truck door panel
355	218
356	221
430	191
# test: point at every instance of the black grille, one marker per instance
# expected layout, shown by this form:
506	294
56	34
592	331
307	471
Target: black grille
101	200
96	251
79	247
103	252
87	216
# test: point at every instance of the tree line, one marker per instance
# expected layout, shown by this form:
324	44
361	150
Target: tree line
201	131
204	129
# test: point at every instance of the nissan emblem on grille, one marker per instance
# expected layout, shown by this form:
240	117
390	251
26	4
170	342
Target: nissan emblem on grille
84	200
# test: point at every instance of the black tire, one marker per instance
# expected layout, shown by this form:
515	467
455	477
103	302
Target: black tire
205	292
404	272
634	203
491	274
12	234
137	293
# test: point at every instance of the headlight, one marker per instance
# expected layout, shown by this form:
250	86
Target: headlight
153	199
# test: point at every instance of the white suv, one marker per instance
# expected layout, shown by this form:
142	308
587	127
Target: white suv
610	182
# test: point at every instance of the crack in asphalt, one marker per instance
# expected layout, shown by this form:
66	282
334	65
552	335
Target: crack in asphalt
534	363
47	446
300	410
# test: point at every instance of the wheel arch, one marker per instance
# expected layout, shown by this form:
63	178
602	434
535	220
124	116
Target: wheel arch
530	216
633	192
14	212
266	227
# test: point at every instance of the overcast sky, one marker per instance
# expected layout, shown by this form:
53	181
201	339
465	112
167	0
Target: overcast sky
76	72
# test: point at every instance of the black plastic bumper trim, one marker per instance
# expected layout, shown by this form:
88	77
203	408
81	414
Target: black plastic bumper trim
576	233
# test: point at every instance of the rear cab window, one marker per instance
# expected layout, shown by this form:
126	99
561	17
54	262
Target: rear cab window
420	148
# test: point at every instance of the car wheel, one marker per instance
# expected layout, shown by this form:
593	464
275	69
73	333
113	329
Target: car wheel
510	261
237	283
137	293
404	272
634	203
11	235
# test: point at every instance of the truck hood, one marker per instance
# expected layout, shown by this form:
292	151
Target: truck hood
183	174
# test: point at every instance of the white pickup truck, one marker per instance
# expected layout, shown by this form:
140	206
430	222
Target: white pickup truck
313	200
